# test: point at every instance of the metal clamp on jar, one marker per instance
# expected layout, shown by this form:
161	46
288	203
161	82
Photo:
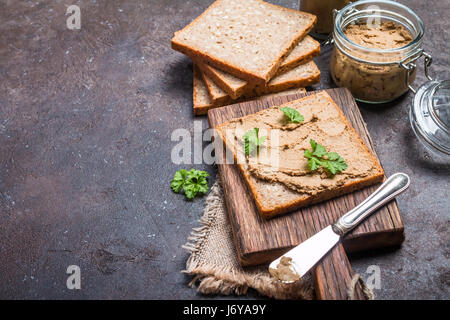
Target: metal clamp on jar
381	75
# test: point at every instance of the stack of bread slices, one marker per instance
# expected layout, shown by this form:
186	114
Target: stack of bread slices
242	50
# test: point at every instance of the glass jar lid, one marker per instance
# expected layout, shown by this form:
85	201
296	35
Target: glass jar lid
430	116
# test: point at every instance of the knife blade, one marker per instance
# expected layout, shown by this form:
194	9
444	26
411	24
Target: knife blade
298	261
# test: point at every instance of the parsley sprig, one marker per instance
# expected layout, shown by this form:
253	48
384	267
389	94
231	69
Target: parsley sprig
292	114
192	182
252	141
319	157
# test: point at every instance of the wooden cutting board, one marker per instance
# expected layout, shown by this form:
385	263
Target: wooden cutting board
260	241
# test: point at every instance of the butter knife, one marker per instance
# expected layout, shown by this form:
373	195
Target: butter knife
295	263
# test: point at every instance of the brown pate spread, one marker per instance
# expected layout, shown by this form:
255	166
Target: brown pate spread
366	80
281	157
388	35
284	271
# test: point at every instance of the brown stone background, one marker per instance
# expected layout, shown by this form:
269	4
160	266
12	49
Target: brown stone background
85	124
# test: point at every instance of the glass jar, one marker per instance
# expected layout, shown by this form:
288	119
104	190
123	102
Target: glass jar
375	75
378	76
323	9
430	117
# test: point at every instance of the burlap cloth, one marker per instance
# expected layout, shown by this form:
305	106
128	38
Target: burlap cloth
215	268
214	265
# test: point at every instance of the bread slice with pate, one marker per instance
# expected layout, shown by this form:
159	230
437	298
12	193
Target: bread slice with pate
278	176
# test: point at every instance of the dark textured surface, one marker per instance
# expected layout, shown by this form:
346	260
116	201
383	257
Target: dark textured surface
86	119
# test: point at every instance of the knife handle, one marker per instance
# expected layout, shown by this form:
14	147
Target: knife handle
396	184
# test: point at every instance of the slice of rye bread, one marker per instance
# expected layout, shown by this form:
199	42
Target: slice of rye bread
202	102
278	195
200	96
248	39
235	87
301	76
216	95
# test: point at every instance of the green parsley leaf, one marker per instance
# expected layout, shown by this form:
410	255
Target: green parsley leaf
292	114
314	163
261	140
319	157
178	180
318	149
252	141
335	163
192	182
191	190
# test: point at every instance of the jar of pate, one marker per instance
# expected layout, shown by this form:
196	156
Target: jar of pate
377	75
376	46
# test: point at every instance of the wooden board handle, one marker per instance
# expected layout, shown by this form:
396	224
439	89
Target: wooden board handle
333	275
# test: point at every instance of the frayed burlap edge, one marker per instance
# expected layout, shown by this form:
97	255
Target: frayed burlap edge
214	279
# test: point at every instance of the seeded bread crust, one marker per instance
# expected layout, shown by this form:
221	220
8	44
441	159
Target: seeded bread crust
301	76
255	185
235	87
202	101
216	94
234	68
299	56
